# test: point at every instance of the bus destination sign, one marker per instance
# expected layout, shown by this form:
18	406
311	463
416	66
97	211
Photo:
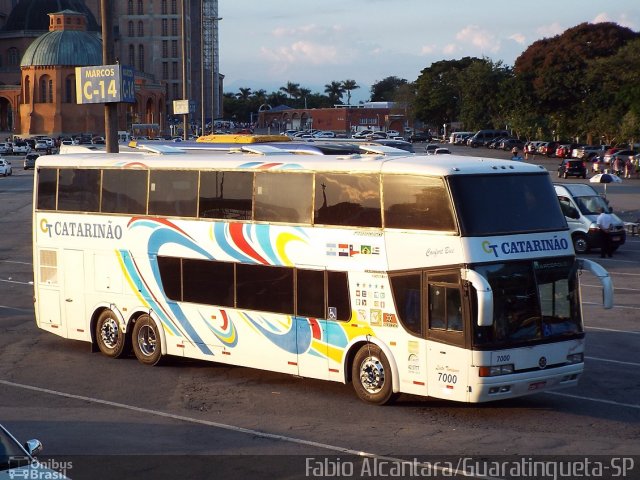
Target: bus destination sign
105	84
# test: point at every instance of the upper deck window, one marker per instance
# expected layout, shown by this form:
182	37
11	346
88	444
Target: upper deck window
347	199
283	197
412	201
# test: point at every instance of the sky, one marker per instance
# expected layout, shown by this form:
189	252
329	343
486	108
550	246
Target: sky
266	43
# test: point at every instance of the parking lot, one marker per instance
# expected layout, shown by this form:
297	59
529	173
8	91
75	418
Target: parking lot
119	419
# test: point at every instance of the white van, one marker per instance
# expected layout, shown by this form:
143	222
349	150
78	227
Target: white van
580	204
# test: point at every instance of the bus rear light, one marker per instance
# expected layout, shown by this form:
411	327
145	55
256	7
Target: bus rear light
575	358
495	370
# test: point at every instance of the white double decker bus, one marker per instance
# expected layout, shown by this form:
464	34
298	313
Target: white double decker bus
447	277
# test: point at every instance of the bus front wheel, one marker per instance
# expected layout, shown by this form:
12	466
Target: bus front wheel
371	375
109	337
147	345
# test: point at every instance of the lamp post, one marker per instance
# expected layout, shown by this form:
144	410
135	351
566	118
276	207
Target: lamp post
185	93
110	109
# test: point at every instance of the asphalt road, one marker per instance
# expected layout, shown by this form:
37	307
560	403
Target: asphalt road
187	419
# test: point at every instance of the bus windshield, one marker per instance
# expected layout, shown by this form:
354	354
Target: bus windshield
534	302
506	204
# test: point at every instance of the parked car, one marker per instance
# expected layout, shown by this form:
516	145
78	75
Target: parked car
30	160
419	137
441	151
431	148
571	167
18	461
6	148
5	167
324	134
362	134
21	148
42	146
511	143
395	143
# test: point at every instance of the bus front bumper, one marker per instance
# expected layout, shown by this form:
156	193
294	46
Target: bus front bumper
500	387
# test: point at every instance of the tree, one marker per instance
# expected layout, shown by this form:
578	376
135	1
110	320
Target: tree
291	89
335	91
348	86
244	94
384	90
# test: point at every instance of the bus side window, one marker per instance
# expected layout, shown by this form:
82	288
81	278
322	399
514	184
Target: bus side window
283	197
47	185
173	192
347	199
79	190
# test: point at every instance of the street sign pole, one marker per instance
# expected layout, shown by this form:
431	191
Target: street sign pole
110	109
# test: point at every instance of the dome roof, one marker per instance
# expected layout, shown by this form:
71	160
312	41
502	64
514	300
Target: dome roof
33	14
64	47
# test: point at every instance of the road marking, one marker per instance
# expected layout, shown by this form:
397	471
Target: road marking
256	433
14	261
617	289
613	361
615	306
597	400
14	281
614	330
24	310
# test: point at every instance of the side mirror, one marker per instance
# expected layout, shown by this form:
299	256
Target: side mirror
33	446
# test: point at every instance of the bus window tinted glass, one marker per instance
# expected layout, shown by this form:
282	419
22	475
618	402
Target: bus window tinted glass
124	191
348	199
173	193
226	195
406	294
269	289
47	179
207	282
283	197
417	203
79	190
310	293
505	203
338	302
170	275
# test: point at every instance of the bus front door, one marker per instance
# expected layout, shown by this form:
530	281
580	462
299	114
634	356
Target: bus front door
447	359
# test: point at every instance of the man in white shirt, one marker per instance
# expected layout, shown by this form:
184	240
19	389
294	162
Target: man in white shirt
605	223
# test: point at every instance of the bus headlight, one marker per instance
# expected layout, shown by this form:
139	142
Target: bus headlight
495	370
575	358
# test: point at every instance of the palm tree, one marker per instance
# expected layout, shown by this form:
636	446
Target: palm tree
348	85
334	90
291	89
244	94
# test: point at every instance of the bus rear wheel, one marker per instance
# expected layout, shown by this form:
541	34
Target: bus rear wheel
146	340
109	337
371	375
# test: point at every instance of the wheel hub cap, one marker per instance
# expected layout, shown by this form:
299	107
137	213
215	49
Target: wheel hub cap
372	375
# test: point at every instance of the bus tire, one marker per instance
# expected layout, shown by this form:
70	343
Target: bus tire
110	338
146	340
371	375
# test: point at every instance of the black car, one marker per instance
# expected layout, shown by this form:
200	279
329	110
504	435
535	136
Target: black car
419	137
572	168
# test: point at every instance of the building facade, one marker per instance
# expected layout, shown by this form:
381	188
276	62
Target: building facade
147	35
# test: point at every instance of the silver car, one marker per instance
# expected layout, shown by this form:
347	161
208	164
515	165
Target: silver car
17	461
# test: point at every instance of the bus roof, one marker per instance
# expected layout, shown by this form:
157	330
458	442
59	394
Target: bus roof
444	165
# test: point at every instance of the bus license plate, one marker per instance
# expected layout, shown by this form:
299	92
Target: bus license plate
537	385
615	239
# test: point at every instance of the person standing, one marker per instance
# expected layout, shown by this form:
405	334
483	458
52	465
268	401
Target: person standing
605	223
